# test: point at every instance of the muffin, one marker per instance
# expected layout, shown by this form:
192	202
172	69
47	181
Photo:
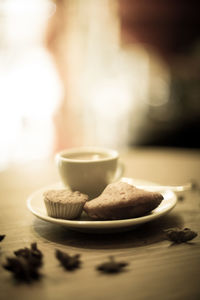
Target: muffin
64	204
121	200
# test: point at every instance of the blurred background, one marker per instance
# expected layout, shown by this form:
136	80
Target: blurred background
114	73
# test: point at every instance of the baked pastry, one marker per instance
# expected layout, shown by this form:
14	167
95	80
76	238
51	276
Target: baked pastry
64	204
121	200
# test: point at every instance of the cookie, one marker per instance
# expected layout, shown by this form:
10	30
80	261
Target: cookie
121	200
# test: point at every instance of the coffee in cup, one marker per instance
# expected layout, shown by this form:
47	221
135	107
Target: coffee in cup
89	169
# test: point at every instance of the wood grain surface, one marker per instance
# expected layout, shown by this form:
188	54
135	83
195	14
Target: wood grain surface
157	269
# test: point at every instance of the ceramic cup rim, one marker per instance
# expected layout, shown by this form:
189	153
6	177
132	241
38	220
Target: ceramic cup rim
112	154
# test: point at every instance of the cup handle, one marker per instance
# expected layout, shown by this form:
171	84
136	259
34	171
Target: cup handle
120	171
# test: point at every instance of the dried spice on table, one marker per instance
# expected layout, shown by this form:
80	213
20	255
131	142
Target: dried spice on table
180	198
194	185
25	264
2	236
33	255
69	262
180	235
111	266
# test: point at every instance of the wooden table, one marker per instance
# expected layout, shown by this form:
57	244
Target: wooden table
157	269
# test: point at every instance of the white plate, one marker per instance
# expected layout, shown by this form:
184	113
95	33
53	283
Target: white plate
36	205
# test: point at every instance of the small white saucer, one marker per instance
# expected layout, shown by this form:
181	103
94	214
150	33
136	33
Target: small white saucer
36	206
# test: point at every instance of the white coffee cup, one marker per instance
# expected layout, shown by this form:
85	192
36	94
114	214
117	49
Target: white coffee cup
89	169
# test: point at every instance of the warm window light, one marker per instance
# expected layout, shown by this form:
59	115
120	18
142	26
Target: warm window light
107	90
29	86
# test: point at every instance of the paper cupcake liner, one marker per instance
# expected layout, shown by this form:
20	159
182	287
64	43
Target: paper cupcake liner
63	210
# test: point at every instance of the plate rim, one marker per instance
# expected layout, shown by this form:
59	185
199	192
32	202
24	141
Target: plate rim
100	224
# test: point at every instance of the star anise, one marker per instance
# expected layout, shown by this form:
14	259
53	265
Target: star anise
2	236
181	198
32	255
194	185
25	264
180	235
111	266
69	262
